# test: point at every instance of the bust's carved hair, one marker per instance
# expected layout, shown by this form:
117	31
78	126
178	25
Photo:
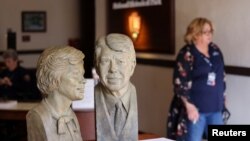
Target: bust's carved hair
116	42
52	64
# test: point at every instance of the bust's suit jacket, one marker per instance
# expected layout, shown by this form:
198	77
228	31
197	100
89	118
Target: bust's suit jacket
105	129
42	125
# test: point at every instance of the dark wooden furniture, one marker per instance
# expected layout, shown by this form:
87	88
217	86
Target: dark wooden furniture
17	112
87	123
86	118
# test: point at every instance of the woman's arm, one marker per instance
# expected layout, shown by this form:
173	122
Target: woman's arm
183	81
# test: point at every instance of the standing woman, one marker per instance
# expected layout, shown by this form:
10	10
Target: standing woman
198	84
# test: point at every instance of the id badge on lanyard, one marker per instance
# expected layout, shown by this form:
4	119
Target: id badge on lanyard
211	78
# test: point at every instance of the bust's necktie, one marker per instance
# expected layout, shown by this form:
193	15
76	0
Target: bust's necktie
61	124
120	117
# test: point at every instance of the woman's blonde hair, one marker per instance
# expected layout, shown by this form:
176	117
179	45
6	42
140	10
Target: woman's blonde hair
195	28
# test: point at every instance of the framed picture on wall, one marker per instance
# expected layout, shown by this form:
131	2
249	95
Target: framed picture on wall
150	23
33	21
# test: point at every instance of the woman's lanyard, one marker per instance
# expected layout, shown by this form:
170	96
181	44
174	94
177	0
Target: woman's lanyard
211	75
208	62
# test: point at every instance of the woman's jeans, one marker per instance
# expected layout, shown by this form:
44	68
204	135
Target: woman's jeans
196	130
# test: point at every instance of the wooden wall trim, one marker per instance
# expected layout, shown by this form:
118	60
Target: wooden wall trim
234	70
26	52
244	71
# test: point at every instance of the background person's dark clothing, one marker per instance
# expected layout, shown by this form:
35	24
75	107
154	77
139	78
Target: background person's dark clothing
21	88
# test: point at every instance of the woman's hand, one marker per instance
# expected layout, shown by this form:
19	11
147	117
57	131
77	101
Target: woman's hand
192	111
6	81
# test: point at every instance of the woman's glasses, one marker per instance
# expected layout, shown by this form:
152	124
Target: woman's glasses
208	32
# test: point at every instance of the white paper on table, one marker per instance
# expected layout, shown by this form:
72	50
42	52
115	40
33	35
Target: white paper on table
158	139
8	103
87	103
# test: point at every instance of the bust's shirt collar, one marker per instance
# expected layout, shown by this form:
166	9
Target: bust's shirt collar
111	100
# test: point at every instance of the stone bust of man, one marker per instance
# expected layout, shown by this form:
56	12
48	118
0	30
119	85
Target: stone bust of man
60	79
115	95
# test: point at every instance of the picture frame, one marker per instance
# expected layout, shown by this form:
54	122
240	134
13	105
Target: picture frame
157	23
34	21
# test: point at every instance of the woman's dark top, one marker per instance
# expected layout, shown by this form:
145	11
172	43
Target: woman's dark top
191	81
191	78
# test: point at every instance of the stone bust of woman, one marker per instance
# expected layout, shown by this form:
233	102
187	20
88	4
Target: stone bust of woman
60	80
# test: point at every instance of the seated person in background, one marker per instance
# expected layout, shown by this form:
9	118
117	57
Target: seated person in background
14	79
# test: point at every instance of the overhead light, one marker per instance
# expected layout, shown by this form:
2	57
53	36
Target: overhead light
134	25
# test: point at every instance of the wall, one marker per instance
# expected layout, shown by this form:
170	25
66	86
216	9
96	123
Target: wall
153	84
62	24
